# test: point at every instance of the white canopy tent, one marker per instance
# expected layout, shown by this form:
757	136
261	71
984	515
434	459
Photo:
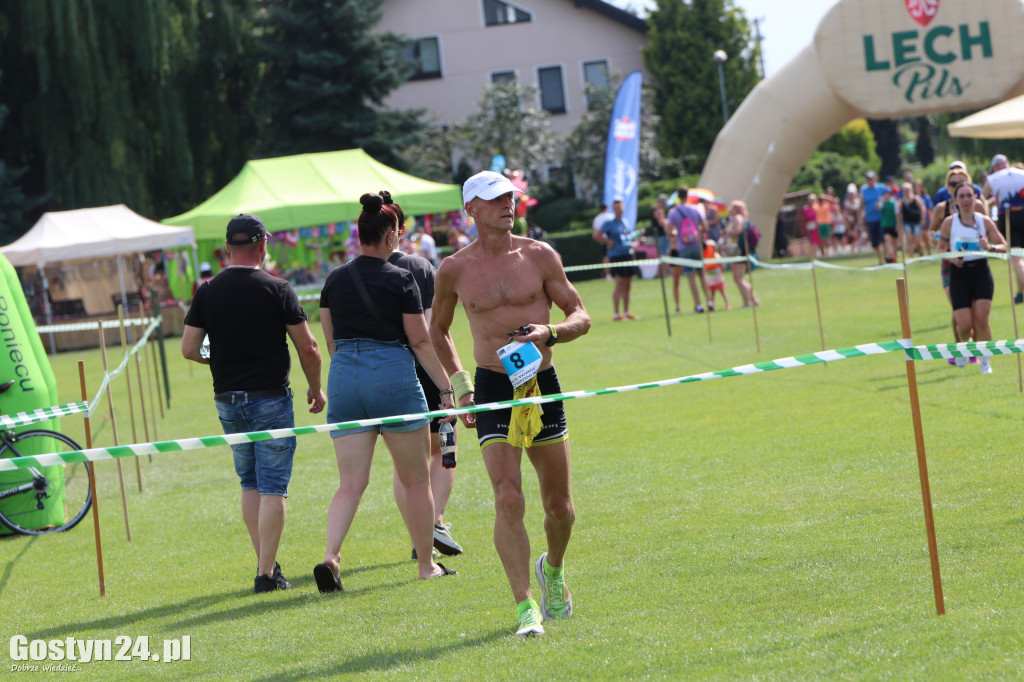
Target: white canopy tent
93	233
999	122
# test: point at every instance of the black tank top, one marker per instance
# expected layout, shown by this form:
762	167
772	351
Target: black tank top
654	221
911	212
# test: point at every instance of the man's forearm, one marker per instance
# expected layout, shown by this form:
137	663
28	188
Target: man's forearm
444	347
309	360
575	325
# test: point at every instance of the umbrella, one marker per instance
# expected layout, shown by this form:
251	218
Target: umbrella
698	194
1004	120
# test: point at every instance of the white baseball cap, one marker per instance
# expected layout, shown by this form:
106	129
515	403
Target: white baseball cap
487	185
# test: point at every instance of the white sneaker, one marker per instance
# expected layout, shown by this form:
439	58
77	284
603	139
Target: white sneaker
961	362
444	542
986	368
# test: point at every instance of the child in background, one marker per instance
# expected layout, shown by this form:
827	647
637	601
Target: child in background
713	274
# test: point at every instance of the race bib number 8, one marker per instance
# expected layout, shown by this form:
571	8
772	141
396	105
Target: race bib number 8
521	361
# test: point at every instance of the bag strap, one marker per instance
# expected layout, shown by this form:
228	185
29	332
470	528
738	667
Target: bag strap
368	302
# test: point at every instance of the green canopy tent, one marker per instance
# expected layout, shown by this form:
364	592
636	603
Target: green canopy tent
313	189
306	190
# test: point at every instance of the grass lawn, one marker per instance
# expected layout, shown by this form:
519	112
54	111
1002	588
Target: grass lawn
764	527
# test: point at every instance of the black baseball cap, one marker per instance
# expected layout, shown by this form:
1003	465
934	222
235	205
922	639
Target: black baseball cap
245	228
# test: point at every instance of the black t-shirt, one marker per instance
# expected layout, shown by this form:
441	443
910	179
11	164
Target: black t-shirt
392	289
423	271
245	312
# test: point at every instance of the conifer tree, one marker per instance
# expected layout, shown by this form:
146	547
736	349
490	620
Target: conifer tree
326	76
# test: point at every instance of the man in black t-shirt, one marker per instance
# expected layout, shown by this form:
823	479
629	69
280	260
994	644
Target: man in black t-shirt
248	314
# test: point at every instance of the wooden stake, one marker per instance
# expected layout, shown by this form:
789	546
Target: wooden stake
92	487
922	462
1013	307
142	398
156	379
753	297
149	382
707	306
817	303
131	401
664	300
113	428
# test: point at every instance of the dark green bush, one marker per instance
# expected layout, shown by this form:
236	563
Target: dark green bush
579	248
557	215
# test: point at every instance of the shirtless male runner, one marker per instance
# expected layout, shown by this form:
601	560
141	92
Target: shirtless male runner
507	285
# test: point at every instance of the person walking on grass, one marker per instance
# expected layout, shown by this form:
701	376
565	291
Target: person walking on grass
617	237
249	315
374	325
970	280
507	285
441	480
1005	186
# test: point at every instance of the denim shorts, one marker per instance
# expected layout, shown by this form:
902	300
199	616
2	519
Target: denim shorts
692	252
265	465
369	379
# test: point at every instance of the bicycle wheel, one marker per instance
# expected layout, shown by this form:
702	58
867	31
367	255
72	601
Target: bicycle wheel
56	505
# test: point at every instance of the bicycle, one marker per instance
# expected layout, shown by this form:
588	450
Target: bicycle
37	493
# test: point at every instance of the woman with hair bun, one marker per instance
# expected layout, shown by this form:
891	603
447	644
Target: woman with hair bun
372	318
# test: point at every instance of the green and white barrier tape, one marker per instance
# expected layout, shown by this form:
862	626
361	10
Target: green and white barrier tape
90	326
42	414
96	454
965	349
48	413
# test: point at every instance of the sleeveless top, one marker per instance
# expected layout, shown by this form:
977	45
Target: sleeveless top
967	237
911	212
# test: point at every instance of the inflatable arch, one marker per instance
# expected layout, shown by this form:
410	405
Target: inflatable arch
869	58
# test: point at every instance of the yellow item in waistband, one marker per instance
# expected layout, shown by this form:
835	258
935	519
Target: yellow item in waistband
526	422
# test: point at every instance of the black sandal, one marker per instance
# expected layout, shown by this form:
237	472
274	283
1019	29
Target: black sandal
325	580
447	571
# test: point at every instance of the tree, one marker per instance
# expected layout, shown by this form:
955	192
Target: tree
510	123
854	139
431	157
681	39
117	102
925	147
829	169
887	144
326	75
586	145
13	203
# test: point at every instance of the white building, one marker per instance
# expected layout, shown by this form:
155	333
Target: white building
557	45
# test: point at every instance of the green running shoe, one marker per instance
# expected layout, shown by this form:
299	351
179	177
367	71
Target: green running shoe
555	600
530	620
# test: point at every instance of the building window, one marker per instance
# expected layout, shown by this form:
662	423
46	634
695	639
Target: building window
499	77
425	53
595	74
497	12
552	91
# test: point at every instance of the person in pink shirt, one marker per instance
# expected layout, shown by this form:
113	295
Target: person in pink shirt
810	215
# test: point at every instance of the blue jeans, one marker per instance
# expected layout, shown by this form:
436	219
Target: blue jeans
265	465
370	379
662	244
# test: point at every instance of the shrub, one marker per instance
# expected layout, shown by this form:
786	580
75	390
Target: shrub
579	248
558	215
